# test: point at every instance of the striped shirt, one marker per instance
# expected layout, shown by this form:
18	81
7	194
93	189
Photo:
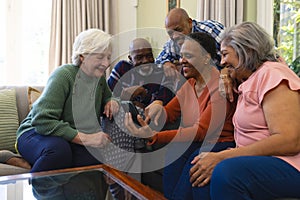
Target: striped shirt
171	51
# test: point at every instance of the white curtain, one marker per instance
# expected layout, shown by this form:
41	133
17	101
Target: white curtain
265	15
69	18
228	12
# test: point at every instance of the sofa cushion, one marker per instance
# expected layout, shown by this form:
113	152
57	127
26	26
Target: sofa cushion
33	95
22	99
9	122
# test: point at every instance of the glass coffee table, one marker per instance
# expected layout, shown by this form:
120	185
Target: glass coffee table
74	183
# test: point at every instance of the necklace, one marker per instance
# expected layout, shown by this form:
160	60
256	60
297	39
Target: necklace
199	89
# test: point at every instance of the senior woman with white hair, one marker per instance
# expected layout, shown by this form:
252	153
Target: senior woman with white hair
66	117
63	128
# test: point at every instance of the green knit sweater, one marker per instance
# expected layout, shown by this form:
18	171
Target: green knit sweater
52	113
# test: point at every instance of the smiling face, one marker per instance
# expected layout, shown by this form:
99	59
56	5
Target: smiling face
142	59
141	56
178	25
193	59
95	64
230	60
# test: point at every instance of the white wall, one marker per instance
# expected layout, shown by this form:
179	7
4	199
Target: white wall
151	13
144	18
128	10
124	16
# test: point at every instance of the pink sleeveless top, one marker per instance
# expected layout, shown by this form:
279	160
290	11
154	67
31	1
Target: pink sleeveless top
249	121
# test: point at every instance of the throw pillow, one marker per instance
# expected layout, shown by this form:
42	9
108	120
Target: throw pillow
9	121
33	95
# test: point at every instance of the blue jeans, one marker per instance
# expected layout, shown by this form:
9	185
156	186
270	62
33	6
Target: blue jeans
176	178
51	152
254	177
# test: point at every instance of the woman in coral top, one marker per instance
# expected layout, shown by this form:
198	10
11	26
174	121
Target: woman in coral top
266	162
206	117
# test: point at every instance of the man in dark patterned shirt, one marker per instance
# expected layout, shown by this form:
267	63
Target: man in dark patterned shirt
178	24
141	80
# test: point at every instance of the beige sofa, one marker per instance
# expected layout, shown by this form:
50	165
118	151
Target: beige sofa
22	111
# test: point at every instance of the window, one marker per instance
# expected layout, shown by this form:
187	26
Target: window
287	31
2	40
24	38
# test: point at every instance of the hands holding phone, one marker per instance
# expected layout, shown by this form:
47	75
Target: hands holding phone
143	132
153	113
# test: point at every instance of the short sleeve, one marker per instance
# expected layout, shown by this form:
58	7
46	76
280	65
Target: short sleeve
271	76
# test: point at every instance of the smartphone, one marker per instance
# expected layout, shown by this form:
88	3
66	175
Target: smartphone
128	106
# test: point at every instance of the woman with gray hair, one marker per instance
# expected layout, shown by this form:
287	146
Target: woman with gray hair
63	126
266	162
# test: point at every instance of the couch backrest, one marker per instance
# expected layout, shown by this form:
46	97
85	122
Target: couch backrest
22	99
